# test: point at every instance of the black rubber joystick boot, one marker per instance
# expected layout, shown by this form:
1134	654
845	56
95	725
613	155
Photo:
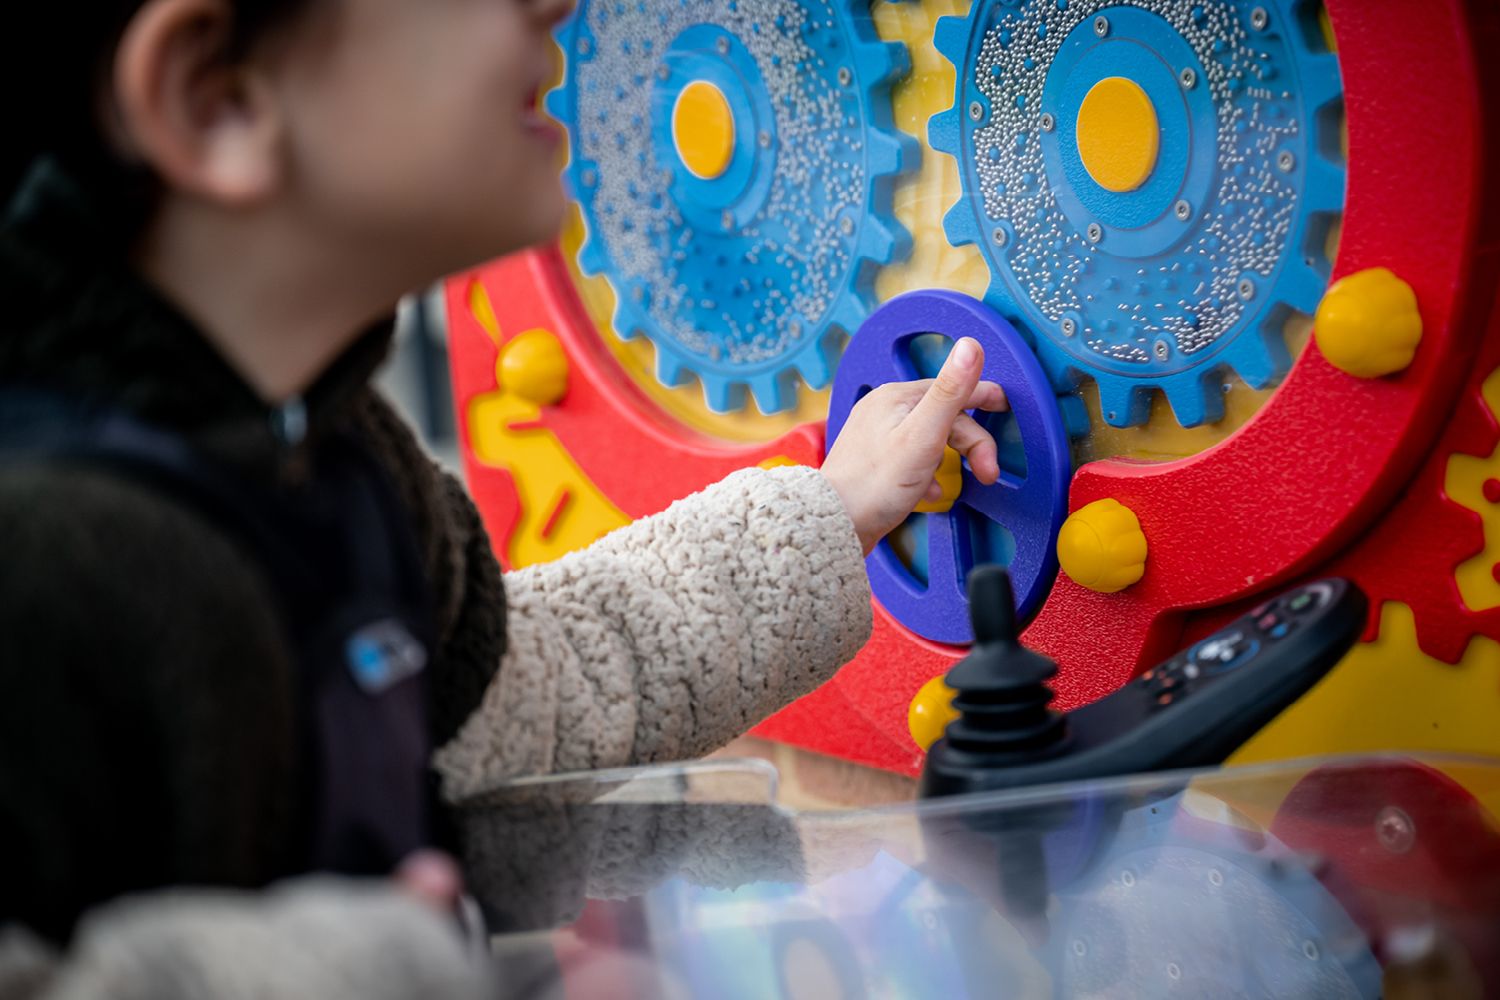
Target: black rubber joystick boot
1003	700
1005	720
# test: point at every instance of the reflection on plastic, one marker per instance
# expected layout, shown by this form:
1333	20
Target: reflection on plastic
691	881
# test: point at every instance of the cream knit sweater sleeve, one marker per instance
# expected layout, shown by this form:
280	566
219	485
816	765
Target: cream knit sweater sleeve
671	636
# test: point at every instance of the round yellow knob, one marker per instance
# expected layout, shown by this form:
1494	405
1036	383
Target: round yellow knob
534	366
1119	136
950	476
930	712
1101	547
1368	324
703	130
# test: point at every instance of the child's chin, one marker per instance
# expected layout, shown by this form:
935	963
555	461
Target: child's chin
544	220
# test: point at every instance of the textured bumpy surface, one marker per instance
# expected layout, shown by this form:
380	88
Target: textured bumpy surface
321	938
673	635
744	278
1195	268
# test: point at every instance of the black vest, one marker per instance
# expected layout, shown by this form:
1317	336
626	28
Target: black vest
343	565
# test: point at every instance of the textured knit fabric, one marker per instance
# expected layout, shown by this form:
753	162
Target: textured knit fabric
322	938
672	635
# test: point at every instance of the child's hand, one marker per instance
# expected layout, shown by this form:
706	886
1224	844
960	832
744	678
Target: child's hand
884	460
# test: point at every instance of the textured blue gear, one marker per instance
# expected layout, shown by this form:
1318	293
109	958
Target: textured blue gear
753	278
1250	146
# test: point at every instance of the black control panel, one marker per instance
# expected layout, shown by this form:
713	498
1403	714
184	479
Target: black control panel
1194	710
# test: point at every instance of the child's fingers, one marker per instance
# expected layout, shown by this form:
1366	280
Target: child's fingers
978	446
988	396
432	877
949	394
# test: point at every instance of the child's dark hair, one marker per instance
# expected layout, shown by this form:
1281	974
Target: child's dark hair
57	58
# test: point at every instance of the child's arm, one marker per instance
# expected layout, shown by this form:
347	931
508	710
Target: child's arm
673	635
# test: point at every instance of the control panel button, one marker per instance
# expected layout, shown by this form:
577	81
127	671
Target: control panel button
1311	598
1224	652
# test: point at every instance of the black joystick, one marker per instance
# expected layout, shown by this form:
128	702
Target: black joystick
1003	700
1192	711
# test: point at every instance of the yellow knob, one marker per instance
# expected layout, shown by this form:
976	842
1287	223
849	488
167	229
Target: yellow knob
703	130
534	366
930	712
1119	136
950	476
1368	324
1101	547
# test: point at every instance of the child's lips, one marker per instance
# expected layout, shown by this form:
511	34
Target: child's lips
537	122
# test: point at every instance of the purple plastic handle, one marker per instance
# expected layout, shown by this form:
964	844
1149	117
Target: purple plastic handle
1031	509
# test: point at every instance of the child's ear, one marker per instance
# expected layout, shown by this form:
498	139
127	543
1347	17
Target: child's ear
205	123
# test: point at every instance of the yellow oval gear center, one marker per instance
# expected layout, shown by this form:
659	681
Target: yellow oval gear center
1119	136
703	130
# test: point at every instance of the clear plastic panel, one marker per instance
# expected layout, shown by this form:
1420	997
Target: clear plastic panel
1344	877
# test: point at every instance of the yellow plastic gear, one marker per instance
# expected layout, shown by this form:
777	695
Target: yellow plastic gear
1389	695
1473	481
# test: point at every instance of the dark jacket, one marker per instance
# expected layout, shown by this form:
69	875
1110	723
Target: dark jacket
148	706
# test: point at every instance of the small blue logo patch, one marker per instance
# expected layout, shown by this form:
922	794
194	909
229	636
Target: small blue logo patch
383	655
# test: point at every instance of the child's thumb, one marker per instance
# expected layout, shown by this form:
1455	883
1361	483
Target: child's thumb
950	392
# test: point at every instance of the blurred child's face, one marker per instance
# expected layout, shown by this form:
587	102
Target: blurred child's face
412	127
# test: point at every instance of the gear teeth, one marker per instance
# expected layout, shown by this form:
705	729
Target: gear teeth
1305	285
959	225
816	367
1258	355
557	105
1075	415
943	132
771	393
722	395
1196	400
1261	357
950	36
1123	404
848	316
878	243
1323	188
670	368
888	154
875	61
1318	80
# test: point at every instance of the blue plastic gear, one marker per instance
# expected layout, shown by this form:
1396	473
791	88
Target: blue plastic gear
1196	271
756	276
